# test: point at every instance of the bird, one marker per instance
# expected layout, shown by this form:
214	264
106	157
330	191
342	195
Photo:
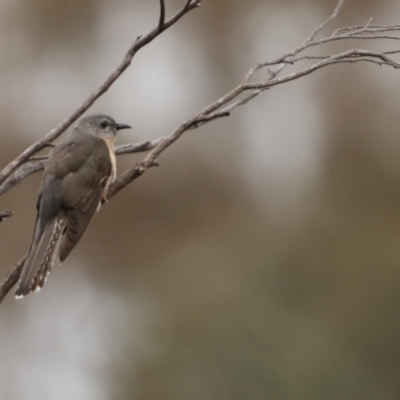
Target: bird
77	175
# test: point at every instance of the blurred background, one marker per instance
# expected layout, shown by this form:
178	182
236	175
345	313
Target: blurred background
261	260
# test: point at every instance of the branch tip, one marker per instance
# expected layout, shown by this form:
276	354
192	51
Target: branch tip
222	107
5	214
162	16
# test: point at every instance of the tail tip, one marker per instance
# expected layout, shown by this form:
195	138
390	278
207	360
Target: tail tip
20	293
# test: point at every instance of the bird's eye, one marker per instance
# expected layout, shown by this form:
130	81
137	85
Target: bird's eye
104	124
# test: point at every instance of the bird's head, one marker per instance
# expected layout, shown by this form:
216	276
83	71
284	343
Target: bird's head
101	125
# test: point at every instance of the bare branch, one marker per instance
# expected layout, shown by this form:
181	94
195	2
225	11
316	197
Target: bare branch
324	24
39	158
366	28
37	163
12	278
354	53
134	48
225	104
162	16
138	147
21	173
5	214
243	101
244	92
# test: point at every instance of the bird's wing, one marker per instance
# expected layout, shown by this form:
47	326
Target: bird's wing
78	218
72	185
85	169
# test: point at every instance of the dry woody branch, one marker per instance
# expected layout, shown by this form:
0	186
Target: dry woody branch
271	73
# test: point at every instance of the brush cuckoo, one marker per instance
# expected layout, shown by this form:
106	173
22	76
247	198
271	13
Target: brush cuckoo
76	178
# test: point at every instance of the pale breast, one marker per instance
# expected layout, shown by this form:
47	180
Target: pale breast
113	174
113	160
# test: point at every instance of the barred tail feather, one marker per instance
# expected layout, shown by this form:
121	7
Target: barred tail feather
41	257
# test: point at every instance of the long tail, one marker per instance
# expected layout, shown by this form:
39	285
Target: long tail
41	257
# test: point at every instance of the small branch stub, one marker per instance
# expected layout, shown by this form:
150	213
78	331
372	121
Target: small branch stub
244	92
5	214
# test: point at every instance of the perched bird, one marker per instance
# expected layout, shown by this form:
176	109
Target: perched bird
76	177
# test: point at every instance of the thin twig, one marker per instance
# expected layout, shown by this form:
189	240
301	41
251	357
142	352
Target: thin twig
12	278
21	173
324	24
226	103
138	147
243	101
162	17
247	89
5	214
5	175
60	128
37	163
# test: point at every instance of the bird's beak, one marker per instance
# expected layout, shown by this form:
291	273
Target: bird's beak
122	126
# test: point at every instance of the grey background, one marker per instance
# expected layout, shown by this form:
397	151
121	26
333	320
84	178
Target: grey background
259	261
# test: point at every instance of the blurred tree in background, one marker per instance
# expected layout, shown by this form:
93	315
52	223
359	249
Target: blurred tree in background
259	261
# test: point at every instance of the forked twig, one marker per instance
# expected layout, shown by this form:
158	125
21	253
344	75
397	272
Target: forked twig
133	49
244	92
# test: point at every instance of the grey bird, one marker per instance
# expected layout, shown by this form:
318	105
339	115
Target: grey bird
75	180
